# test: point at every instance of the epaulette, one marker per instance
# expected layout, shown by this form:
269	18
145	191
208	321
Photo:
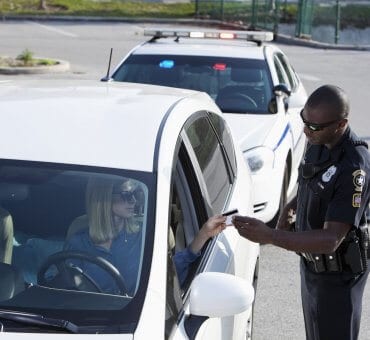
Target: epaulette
359	142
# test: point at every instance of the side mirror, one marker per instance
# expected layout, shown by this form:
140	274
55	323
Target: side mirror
216	295
281	89
278	91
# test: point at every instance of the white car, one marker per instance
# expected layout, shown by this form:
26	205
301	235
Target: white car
65	146
254	85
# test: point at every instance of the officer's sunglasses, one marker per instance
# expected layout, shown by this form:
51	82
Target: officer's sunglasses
317	127
127	196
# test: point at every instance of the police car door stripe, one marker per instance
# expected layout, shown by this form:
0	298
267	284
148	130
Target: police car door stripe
287	128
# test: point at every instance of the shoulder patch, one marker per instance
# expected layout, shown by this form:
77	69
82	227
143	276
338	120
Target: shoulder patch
359	179
356	200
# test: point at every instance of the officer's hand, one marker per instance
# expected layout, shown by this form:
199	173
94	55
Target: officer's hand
253	229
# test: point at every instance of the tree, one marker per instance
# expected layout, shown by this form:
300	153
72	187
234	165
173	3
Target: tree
42	5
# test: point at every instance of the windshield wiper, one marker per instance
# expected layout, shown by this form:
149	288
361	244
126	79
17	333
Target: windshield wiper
39	320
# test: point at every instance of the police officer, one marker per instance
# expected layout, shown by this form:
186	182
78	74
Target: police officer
330	231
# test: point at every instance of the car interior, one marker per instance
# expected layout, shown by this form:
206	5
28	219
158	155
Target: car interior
244	94
39	211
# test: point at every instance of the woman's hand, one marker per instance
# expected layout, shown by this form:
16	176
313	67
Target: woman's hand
211	228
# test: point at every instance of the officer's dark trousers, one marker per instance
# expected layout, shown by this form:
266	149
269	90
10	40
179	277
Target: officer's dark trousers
332	304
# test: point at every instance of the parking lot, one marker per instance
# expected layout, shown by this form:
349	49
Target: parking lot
86	46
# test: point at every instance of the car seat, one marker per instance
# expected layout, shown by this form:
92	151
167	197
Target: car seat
165	77
78	224
199	78
6	236
9	192
11	282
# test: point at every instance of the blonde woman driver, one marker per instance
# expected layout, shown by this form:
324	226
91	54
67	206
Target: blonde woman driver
114	235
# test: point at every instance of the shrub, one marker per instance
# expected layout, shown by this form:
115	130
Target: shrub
26	57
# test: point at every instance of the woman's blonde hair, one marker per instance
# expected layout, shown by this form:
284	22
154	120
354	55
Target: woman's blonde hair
99	210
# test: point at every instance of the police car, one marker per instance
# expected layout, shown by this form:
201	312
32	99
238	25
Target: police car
181	167
251	81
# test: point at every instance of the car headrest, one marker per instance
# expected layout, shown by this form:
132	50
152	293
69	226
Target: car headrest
13	192
166	77
11	282
246	75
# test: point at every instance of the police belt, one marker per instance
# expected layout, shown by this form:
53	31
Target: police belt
350	257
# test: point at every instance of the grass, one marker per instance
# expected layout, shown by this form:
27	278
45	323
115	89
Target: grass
112	8
26	59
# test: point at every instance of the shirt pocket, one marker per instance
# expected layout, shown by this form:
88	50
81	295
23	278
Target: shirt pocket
321	194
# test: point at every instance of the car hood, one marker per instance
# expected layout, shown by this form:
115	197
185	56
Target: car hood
250	130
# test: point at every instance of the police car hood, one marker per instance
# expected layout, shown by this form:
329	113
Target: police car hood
251	130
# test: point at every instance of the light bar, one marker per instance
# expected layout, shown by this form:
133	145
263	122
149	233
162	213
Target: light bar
227	35
196	34
257	36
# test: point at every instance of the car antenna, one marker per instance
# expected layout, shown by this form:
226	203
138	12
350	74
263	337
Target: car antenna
106	78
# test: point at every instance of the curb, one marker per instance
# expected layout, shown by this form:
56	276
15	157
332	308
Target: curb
61	66
280	38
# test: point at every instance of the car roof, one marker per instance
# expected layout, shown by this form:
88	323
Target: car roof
88	122
203	47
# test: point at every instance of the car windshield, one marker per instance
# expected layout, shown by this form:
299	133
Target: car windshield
73	239
237	85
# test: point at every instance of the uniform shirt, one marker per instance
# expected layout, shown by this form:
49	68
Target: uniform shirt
340	192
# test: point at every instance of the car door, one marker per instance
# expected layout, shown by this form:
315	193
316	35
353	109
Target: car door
203	185
296	102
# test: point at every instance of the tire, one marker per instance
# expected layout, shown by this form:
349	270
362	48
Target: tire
283	198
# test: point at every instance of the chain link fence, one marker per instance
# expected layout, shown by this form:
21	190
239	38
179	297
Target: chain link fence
297	17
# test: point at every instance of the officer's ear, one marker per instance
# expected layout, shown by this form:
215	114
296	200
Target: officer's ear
343	123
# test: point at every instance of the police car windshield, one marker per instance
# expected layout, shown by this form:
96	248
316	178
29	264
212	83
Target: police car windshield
237	85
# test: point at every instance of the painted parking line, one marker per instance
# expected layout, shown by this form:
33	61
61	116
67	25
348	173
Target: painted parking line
53	29
308	77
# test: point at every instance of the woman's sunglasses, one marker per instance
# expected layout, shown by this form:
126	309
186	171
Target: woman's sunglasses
127	196
317	127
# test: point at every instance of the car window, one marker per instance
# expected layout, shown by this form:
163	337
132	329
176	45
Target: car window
212	162
280	71
187	212
59	219
292	78
237	85
225	139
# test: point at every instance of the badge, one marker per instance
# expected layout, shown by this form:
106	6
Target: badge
358	179
328	174
356	200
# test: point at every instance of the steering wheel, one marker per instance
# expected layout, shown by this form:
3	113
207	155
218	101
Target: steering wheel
68	273
236	102
244	98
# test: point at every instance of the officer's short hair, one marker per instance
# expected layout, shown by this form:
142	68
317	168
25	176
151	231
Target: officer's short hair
331	96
